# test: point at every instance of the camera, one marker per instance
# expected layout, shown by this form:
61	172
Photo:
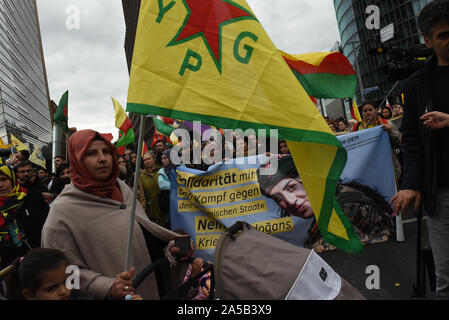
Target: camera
402	63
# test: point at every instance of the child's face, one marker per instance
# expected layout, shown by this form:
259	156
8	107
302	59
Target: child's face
53	286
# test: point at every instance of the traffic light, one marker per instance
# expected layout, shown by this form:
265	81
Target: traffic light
378	50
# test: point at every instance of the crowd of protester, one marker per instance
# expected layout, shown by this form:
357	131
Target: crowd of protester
341	125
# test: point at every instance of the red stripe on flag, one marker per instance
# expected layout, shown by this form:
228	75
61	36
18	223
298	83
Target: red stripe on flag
126	125
333	63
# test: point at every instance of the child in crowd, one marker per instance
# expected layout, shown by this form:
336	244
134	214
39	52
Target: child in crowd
201	291
39	275
42	275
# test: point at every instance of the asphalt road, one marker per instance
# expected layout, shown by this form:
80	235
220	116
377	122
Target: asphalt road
396	262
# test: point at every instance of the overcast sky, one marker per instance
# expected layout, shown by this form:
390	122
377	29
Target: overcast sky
89	59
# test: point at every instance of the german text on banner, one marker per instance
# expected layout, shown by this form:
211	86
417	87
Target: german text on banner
211	60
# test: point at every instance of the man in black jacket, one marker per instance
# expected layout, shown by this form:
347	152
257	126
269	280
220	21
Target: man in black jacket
36	208
426	156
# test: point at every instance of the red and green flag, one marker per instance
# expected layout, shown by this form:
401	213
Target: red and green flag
212	61
61	114
326	75
163	129
123	123
144	148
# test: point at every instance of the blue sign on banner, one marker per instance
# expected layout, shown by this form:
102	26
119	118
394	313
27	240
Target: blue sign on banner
370	160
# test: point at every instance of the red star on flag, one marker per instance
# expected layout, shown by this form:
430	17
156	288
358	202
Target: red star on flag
205	18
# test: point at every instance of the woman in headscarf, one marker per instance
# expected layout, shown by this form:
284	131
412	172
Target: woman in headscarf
126	173
164	186
12	204
89	223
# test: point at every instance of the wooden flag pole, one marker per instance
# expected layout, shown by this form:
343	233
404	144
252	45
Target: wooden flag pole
136	185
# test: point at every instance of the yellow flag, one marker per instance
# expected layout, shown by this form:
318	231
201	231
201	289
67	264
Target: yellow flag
3	145
212	61
355	112
37	157
18	144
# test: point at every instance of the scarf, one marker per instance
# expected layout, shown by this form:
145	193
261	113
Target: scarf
10	233
79	142
379	121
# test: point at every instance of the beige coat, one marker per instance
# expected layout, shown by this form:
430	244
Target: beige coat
93	233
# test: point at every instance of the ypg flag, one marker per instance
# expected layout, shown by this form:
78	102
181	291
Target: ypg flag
212	61
124	125
18	145
327	75
3	145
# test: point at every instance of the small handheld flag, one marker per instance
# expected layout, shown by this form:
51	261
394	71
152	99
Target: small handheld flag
123	123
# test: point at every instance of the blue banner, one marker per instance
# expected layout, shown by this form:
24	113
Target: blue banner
370	160
205	203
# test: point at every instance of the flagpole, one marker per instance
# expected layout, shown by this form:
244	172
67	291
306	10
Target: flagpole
56	143
136	184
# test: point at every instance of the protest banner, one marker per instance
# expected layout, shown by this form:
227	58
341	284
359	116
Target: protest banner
205	203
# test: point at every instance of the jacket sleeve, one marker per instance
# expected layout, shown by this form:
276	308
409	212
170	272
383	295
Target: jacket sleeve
162	180
413	151
395	136
58	236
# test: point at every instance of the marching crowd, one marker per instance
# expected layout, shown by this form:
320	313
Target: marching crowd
80	215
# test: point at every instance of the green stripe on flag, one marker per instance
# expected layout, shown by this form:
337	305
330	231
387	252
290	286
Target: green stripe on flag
162	127
220	122
327	85
126	139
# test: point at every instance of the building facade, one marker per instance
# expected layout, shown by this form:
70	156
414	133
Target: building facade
24	95
357	42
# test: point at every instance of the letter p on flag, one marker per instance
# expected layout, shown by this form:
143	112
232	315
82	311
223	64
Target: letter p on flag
211	60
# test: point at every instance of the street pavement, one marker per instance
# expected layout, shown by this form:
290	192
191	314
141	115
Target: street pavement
396	262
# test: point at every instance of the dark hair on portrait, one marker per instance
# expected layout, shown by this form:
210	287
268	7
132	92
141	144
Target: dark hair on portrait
435	12
286	169
372	193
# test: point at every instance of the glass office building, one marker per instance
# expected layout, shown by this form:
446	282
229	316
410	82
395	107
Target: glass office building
24	103
357	40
